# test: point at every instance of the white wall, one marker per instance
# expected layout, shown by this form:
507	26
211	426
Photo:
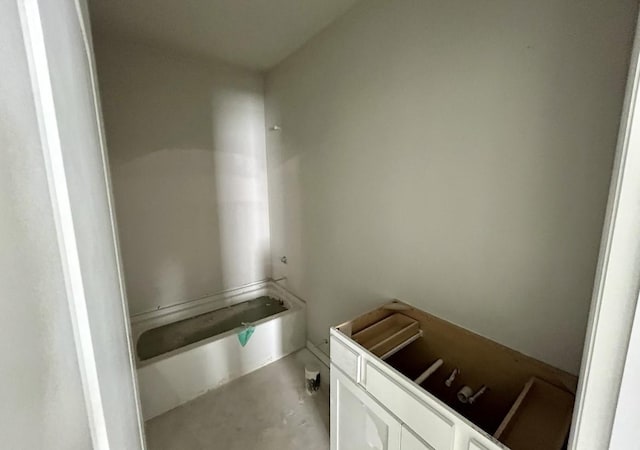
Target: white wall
81	195
74	313
625	429
611	361
187	152
455	155
40	386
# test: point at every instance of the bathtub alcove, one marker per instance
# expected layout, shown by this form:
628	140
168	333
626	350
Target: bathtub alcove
185	350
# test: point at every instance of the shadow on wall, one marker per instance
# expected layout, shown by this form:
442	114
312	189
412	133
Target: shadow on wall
187	155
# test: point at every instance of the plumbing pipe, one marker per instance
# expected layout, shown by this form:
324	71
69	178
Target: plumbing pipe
452	377
477	395
464	394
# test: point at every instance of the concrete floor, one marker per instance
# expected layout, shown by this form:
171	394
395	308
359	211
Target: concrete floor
267	409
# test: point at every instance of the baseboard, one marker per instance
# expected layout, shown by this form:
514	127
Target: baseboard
323	357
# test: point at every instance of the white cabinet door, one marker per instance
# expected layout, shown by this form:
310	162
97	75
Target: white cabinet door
358	422
409	441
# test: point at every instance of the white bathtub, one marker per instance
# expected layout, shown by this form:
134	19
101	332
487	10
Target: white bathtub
173	378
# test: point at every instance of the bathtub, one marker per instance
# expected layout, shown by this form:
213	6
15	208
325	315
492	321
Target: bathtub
169	377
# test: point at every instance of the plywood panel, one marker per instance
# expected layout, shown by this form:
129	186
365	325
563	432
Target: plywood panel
540	418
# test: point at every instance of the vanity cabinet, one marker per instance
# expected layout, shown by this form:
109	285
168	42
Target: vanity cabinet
389	390
360	421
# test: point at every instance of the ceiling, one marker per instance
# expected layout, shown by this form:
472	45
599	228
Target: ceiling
256	34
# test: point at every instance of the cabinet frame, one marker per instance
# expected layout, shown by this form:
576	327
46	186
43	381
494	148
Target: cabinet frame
340	381
466	433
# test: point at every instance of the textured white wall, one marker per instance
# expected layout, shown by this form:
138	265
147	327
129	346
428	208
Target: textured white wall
187	152
455	155
612	345
86	227
40	384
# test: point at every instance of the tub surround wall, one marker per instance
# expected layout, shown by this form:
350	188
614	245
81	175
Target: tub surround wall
187	153
455	155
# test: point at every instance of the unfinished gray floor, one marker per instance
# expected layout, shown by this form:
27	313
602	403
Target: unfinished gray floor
267	409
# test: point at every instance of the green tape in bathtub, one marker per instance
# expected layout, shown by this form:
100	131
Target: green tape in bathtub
245	334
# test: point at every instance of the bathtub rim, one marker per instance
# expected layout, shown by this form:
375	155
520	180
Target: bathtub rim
143	322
